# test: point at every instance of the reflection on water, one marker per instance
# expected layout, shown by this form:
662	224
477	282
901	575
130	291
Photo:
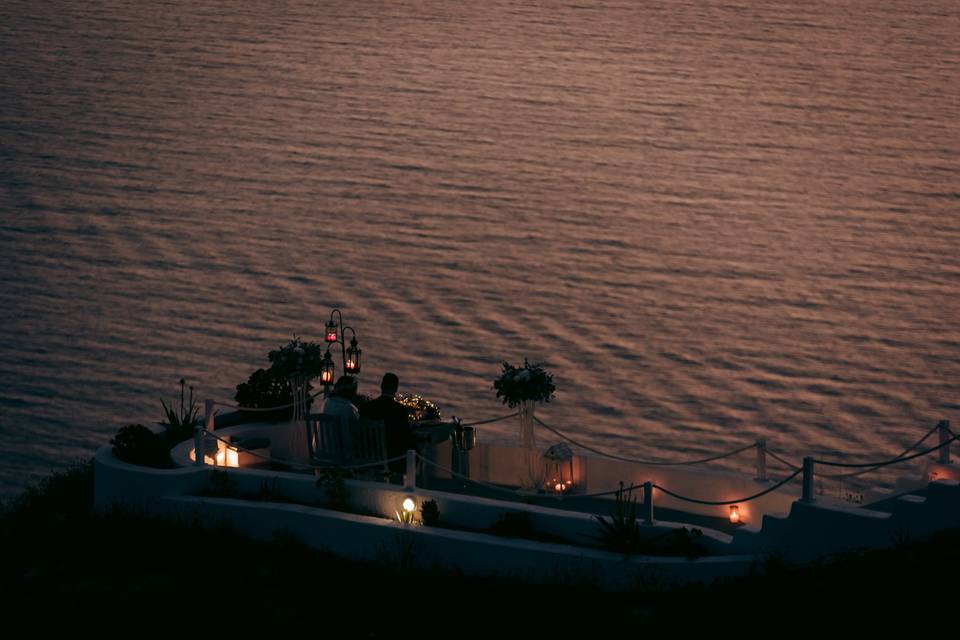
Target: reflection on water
713	221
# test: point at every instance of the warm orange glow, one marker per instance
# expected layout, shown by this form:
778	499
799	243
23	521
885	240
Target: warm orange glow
226	456
735	514
326	376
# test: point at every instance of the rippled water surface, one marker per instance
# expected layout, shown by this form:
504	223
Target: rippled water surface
714	221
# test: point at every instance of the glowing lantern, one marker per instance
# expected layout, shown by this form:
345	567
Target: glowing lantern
409	505
326	369
226	456
352	361
330	335
735	514
559	467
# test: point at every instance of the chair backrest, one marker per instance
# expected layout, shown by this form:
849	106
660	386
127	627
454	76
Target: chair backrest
369	443
327	439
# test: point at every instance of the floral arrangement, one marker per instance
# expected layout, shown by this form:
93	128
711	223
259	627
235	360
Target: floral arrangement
297	358
271	387
527	383
419	407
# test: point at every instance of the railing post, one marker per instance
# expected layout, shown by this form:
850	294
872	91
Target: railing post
807	479
208	414
762	460
410	477
648	502
944	428
199	432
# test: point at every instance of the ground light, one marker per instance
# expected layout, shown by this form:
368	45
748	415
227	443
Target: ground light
409	508
735	514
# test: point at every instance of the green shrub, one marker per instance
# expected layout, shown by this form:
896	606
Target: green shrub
139	445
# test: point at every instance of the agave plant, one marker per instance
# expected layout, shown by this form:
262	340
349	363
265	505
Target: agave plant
621	531
430	513
179	424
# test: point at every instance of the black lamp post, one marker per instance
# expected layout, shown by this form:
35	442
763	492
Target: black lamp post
334	333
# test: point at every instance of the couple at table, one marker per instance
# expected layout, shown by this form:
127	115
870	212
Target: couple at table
399	435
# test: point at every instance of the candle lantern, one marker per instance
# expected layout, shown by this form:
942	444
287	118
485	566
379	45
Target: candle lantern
330	335
559	460
735	514
351	363
333	333
327	369
226	456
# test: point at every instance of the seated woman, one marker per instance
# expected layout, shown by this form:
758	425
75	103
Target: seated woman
339	402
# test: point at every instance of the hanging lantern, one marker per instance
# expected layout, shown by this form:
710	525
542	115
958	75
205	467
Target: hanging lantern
330	334
351	362
326	369
735	514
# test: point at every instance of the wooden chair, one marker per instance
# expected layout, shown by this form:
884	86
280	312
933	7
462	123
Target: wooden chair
327	440
369	444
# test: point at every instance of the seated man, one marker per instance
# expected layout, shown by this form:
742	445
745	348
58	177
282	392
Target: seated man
399	435
339	403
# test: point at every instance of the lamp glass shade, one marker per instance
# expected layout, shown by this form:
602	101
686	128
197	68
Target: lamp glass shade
352	363
327	369
330	333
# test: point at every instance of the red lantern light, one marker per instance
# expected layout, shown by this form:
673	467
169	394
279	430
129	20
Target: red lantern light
330	335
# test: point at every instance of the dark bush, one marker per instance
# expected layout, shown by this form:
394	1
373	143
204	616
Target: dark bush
430	513
136	444
620	531
265	389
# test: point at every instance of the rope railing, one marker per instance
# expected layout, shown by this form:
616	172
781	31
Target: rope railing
877	465
486	485
854	474
231	405
782	461
656	463
489	421
721	503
